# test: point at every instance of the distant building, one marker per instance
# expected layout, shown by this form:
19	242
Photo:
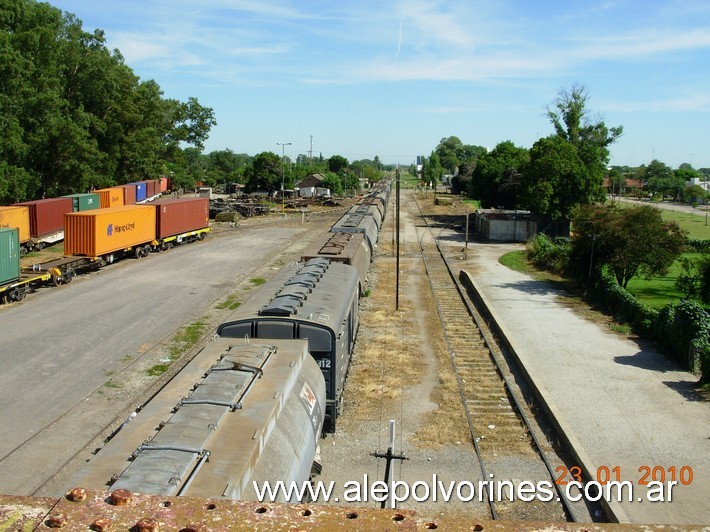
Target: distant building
311	185
503	225
630	186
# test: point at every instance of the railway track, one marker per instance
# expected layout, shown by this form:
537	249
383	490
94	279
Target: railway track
499	422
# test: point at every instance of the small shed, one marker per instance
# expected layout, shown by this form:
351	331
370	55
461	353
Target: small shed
504	225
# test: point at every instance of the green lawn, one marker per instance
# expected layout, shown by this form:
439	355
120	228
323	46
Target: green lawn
693	223
657	292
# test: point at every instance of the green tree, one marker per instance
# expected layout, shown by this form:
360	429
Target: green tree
74	116
432	169
630	242
489	183
589	135
659	178
337	164
264	174
448	152
555	180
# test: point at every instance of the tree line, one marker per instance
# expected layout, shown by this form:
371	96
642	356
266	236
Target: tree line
268	171
74	116
560	171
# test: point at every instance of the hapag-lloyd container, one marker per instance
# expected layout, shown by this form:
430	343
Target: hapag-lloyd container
110	197
18	218
181	215
9	255
103	231
47	215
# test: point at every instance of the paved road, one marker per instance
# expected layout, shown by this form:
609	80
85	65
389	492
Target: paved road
60	345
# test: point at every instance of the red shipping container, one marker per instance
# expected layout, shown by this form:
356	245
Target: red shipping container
163	184
150	188
129	194
181	215
47	215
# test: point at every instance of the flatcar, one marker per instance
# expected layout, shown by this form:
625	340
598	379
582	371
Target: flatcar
316	300
256	415
348	248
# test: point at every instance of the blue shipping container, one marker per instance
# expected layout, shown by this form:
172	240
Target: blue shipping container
140	191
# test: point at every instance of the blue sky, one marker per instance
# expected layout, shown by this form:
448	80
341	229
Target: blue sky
392	78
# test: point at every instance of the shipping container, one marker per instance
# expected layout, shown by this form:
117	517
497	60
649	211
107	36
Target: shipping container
18	218
110	197
140	190
181	215
104	231
47	215
9	255
163	186
151	188
84	202
129	194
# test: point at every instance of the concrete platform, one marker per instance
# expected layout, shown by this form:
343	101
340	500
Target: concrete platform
623	404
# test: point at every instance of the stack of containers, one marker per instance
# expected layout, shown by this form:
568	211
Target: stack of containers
16	218
9	255
84	202
110	197
47	215
175	216
104	231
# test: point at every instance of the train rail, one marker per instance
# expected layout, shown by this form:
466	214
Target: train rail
497	419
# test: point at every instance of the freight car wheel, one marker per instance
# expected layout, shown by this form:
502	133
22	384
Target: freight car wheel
138	252
201	236
146	250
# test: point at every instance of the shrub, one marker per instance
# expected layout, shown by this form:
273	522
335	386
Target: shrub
549	254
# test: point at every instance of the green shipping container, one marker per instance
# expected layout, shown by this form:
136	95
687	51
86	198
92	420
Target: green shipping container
9	255
84	202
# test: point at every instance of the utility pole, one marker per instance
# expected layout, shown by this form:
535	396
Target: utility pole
396	291
283	190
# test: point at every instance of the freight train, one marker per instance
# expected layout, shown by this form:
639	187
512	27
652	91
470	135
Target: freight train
99	236
272	382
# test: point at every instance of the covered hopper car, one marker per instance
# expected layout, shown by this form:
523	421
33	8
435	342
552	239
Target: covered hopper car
348	248
316	300
255	415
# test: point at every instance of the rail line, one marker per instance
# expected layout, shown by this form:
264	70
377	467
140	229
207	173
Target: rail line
494	415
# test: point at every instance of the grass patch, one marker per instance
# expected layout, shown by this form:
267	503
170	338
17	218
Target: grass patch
620	328
257	281
515	260
111	384
657	292
182	341
693	223
230	303
158	370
